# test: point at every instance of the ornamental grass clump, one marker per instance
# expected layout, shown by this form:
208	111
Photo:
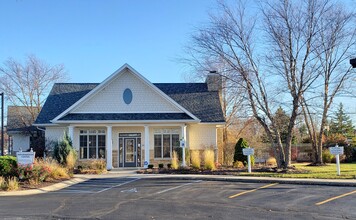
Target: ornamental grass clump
94	166
2	183
58	172
71	160
209	163
12	184
9	184
175	161
195	159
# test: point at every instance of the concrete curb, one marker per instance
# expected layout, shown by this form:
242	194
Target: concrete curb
51	188
322	182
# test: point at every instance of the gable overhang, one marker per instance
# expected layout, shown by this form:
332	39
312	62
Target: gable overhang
125	121
118	72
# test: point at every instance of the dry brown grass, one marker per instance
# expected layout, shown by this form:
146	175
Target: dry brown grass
95	166
195	159
71	160
9	184
175	161
57	171
209	162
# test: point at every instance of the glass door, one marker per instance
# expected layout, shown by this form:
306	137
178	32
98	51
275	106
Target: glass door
129	152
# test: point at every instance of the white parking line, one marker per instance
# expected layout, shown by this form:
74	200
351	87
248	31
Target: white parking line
121	184
173	188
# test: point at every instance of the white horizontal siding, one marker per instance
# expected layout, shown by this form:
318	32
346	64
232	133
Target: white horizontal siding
20	141
201	136
110	99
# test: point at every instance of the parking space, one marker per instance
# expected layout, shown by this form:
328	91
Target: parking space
97	185
165	198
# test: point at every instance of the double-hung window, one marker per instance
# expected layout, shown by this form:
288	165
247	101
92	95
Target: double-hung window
92	144
165	141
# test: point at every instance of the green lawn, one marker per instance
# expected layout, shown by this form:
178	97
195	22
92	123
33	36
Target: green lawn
348	171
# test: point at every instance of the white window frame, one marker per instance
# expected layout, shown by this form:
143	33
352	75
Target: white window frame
162	132
91	132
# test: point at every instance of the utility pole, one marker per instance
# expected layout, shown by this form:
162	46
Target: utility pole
2	124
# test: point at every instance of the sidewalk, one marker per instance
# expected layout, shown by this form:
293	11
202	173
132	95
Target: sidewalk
132	173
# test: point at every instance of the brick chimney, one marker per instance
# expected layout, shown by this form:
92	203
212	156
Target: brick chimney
214	81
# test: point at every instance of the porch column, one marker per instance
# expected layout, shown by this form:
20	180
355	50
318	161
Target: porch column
71	132
184	138
109	148
147	147
216	150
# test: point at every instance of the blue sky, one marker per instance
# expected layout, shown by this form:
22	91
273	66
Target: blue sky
94	38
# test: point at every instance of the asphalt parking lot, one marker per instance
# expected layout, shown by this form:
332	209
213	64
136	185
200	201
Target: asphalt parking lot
136	198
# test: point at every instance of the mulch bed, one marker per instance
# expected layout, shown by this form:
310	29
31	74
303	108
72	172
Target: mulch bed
26	185
220	171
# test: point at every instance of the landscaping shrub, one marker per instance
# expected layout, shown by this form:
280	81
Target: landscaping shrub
9	184
349	152
175	162
238	164
187	156
160	165
169	166
2	183
271	161
95	166
209	159
71	160
179	151
8	165
12	184
195	159
150	166
238	156
62	149
327	156
34	174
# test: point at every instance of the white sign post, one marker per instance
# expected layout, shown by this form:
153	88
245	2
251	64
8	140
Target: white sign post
182	145
248	152
337	151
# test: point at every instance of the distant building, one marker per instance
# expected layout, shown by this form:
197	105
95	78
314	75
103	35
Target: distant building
22	135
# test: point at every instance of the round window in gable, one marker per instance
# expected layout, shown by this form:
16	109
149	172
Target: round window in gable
127	96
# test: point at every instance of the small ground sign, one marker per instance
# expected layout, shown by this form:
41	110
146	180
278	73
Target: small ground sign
25	158
336	150
248	151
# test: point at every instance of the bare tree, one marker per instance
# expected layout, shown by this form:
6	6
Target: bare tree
276	66
333	48
232	97
27	84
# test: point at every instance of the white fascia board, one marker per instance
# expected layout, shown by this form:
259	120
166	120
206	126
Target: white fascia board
129	125
126	112
44	125
124	121
217	124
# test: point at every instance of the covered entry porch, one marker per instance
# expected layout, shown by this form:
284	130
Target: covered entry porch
127	145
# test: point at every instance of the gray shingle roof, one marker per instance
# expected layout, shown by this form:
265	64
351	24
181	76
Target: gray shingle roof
194	97
20	119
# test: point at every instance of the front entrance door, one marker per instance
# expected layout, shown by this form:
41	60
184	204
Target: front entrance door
129	150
